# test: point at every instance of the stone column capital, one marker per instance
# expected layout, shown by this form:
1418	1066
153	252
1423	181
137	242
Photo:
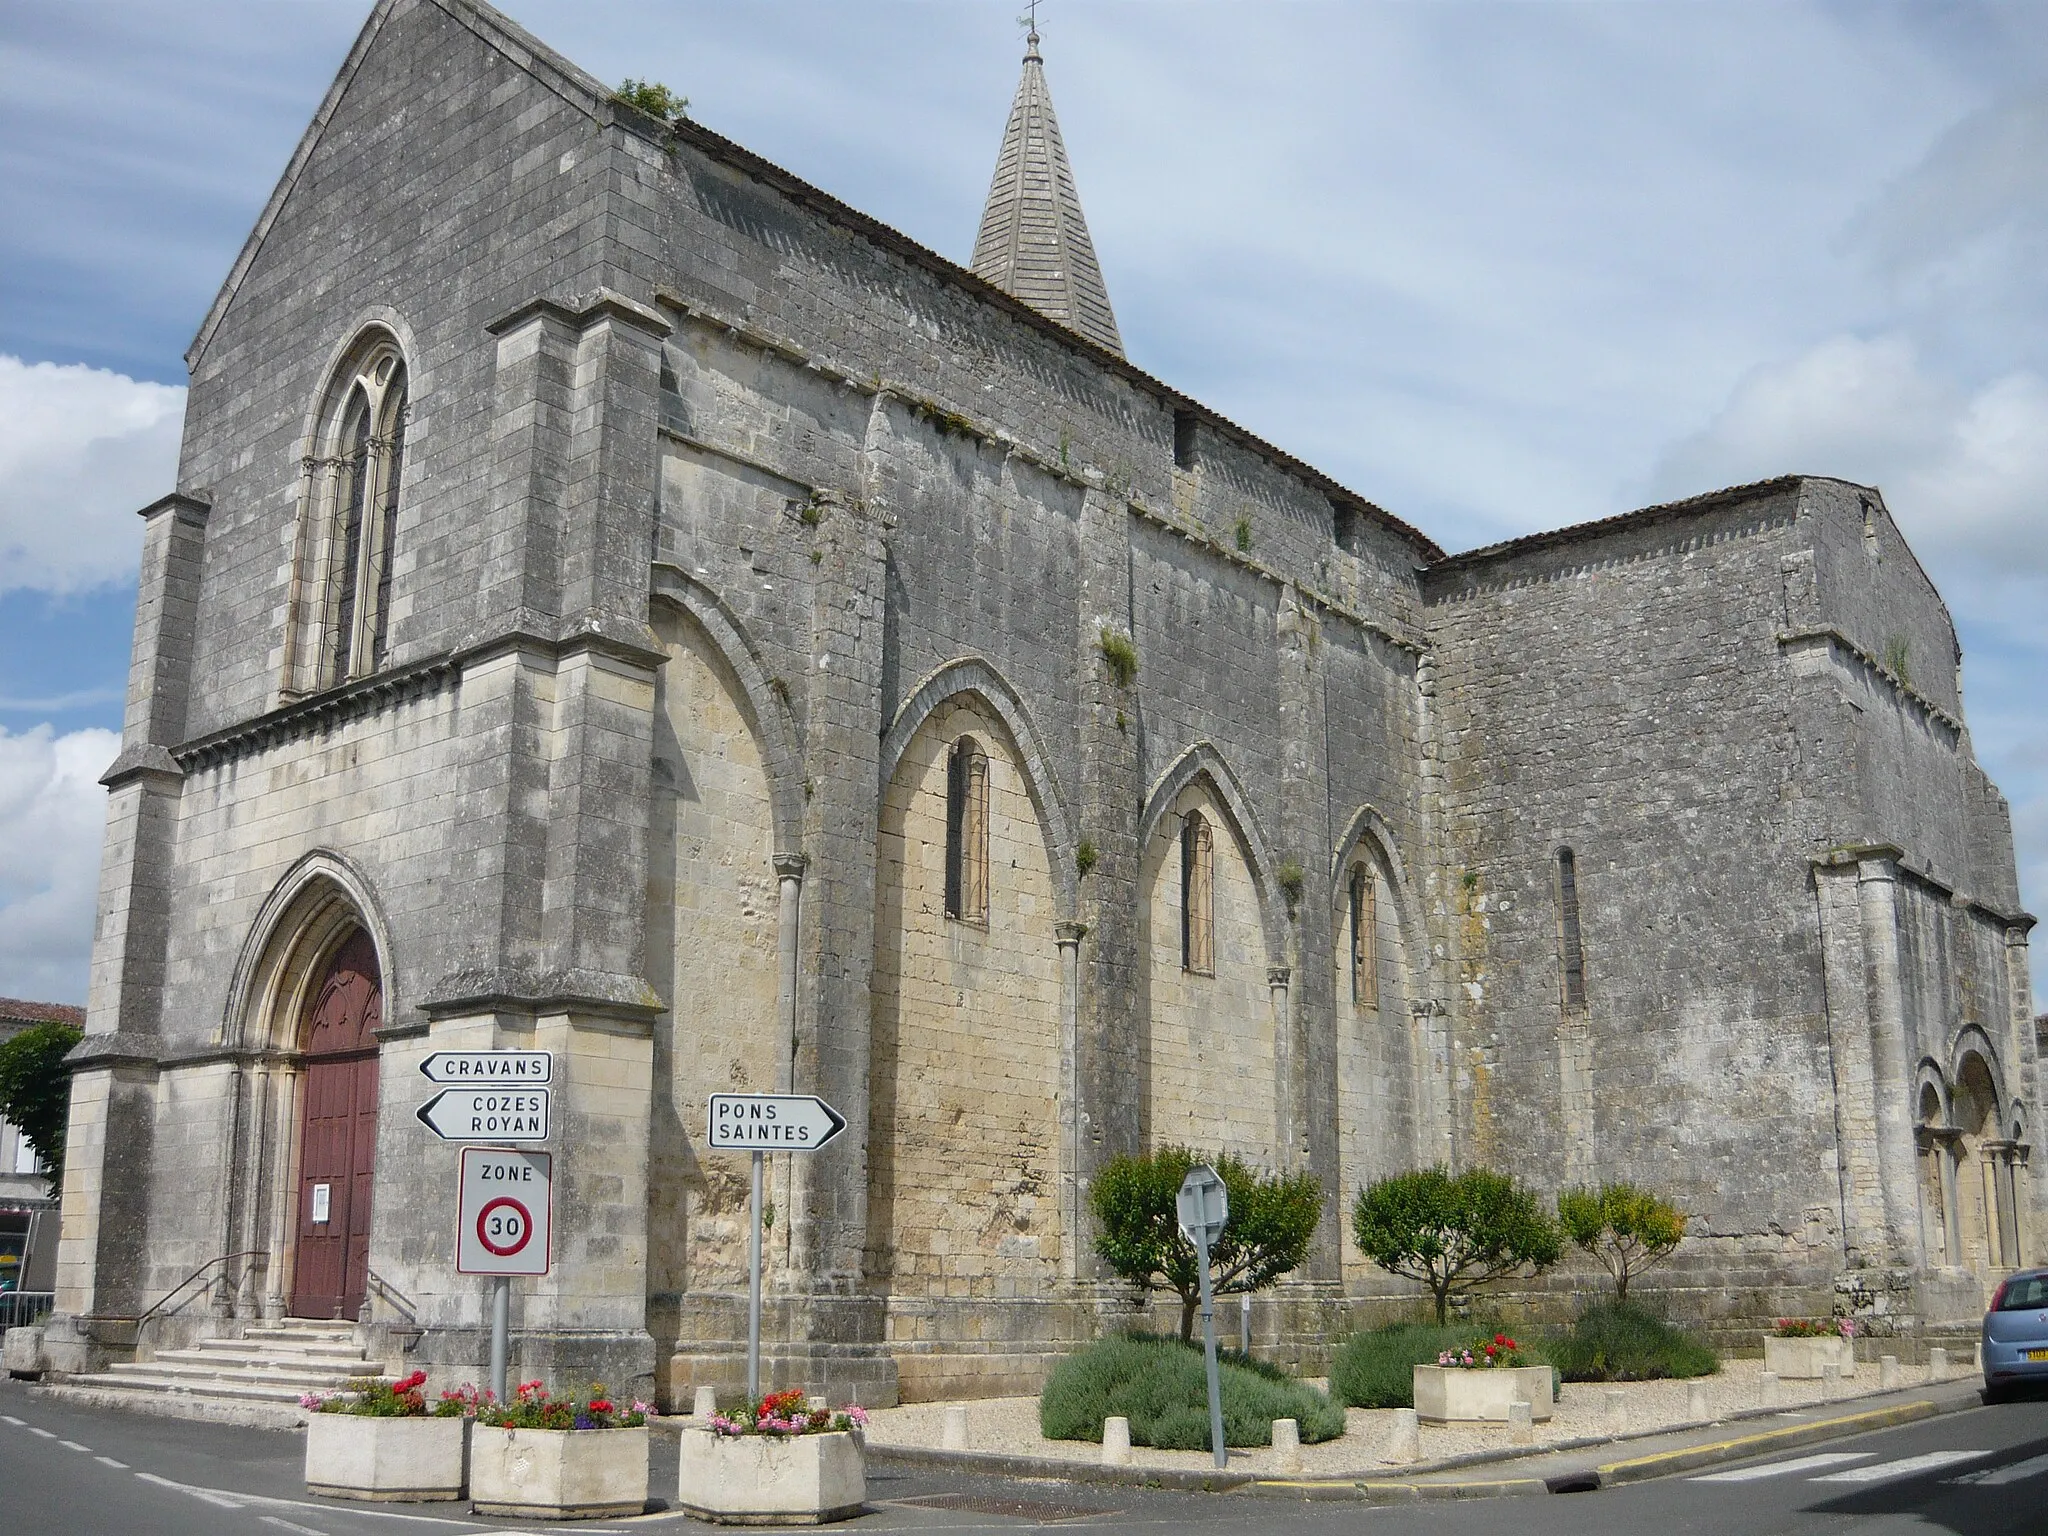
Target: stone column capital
790	866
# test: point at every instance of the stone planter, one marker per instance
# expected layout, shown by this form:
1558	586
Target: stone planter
349	1456
558	1474
771	1479
1444	1395
1805	1359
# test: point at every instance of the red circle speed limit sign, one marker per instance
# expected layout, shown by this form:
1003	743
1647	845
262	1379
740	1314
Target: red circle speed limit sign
503	1226
503	1215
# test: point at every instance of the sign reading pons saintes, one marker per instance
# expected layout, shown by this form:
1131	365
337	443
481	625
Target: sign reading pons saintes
771	1122
489	1069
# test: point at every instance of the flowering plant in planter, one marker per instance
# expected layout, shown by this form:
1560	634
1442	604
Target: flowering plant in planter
1815	1328
1498	1353
372	1397
785	1413
532	1407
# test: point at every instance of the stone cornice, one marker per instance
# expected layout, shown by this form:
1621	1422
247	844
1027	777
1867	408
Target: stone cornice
513	989
1848	856
1794	639
188	507
582	312
322	711
147	761
115	1048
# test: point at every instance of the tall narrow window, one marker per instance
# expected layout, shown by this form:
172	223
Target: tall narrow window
967	831
1365	968
1184	429
341	604
1197	896
1571	955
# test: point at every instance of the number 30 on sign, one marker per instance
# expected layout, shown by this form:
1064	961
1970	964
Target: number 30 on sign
505	1211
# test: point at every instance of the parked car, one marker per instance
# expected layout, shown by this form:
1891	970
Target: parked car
2015	1347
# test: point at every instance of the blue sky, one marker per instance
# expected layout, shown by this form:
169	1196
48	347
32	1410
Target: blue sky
1500	267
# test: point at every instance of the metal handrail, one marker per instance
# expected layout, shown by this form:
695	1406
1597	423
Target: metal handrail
23	1309
392	1294
225	1258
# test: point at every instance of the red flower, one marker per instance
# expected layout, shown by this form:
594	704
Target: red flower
600	1405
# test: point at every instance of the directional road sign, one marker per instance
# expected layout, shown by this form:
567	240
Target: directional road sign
489	1069
487	1114
772	1122
1203	1206
505	1212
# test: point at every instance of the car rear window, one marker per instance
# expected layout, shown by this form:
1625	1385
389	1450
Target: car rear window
2024	1295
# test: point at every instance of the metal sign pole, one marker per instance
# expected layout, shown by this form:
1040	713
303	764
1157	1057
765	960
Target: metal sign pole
501	1310
1209	1352
754	1295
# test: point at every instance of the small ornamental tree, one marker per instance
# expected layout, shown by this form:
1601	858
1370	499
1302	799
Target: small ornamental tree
1453	1231
1272	1219
35	1089
1627	1228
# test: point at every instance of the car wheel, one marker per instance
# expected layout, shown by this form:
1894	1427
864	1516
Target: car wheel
1993	1394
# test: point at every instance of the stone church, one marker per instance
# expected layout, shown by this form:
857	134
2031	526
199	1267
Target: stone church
620	600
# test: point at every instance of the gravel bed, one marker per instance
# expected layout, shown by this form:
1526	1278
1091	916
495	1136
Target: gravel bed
1010	1424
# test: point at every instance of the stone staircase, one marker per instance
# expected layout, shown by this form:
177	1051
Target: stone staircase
254	1380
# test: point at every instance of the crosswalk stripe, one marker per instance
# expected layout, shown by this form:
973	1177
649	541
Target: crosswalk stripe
11	1419
1784	1468
2019	1471
1904	1467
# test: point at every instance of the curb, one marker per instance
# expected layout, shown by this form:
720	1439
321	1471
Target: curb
1411	1489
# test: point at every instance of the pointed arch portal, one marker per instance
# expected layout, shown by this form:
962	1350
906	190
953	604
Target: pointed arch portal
338	1133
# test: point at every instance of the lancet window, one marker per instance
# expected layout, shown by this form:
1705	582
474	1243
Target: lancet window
342	592
967	831
1365	973
1571	951
1197	895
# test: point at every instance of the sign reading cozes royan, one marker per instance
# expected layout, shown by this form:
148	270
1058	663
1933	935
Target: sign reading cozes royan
487	1114
771	1122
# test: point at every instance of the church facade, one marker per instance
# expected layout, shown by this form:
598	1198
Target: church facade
619	600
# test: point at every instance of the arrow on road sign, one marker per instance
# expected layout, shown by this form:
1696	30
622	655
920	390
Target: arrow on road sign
484	1069
487	1114
772	1122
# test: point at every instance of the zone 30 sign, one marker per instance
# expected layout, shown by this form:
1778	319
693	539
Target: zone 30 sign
506	1210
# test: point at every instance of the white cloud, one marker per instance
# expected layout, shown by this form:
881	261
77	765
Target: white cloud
1964	471
80	449
52	816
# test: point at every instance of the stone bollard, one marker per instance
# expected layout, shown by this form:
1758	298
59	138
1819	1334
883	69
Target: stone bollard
1830	1382
1889	1377
1617	1413
1696	1402
1767	1388
1937	1363
1404	1440
706	1403
954	1436
1521	1427
1287	1445
1116	1442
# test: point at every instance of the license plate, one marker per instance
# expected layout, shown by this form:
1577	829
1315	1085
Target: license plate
2037	1354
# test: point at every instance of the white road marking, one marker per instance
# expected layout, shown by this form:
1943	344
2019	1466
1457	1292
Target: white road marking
73	1445
206	1494
10	1418
2019	1471
287	1525
1905	1467
1784	1468
47	1434
108	1461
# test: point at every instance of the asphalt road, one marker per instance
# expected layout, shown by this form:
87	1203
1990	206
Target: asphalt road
1983	1472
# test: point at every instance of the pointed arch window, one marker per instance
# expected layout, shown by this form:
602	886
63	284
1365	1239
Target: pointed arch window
341	620
1365	968
967	831
1197	895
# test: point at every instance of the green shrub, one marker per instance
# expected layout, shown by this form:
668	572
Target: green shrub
1159	1384
1626	1227
1453	1231
1620	1341
1376	1369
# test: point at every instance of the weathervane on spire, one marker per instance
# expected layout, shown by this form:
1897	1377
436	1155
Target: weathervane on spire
1030	24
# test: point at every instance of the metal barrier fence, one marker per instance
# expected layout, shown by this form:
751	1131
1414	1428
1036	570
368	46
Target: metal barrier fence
20	1309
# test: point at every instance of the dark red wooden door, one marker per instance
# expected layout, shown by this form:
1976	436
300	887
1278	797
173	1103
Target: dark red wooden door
338	1135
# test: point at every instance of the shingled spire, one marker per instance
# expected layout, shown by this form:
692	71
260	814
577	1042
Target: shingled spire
1034	241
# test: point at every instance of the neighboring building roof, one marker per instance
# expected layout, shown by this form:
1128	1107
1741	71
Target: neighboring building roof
1034	241
15	1010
